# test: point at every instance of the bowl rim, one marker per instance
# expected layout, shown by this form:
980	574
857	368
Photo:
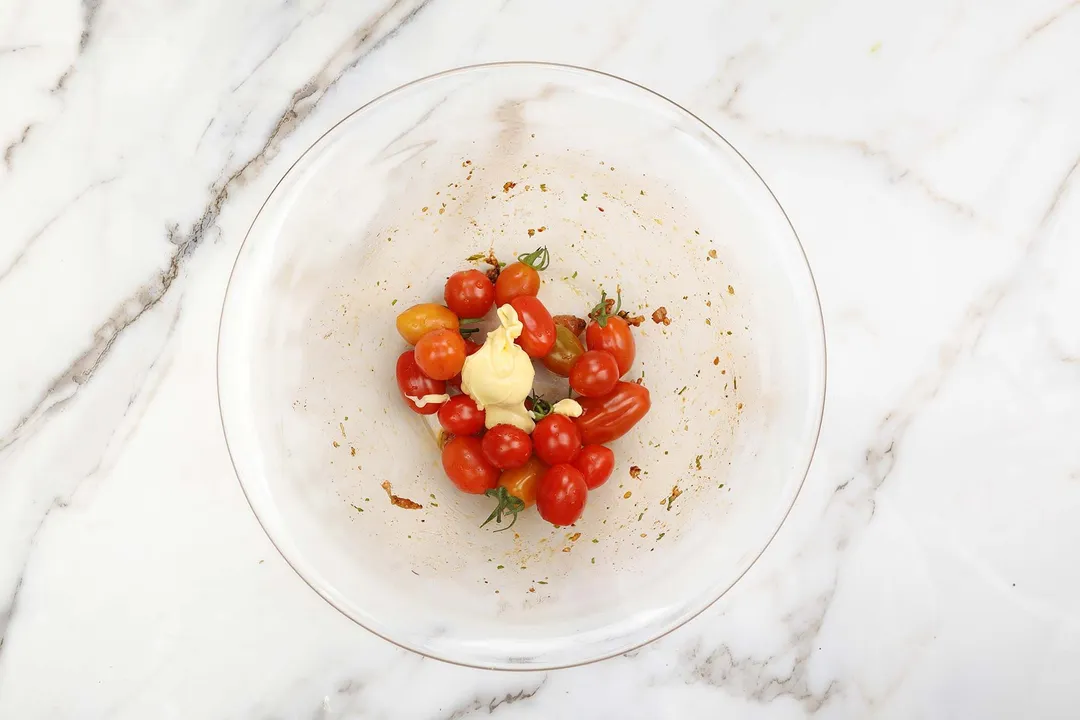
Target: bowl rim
540	65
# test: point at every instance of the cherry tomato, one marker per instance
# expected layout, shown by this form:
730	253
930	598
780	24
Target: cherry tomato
521	482
556	440
595	463
538	336
607	418
441	354
564	352
469	294
507	447
470	348
615	337
419	320
466	466
594	374
561	494
516	280
412	381
460	416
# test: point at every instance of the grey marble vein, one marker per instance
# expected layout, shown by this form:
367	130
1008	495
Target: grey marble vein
65	385
37	235
489	706
9	151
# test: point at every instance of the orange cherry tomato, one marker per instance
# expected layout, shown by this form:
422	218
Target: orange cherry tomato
521	482
419	320
441	354
521	278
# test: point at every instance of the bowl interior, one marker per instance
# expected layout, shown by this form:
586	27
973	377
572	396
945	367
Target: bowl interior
626	190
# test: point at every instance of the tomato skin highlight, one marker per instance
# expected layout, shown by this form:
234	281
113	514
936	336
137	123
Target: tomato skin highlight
460	416
469	294
595	463
615	338
507	447
441	354
594	374
465	465
516	280
610	417
412	381
521	482
419	320
538	333
561	495
556	440
564	353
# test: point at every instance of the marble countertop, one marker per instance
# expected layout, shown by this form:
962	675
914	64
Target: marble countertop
928	155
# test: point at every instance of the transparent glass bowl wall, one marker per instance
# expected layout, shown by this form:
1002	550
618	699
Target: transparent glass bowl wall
626	189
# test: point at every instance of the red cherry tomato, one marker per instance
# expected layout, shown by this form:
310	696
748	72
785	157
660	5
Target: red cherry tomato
516	280
465	465
561	494
470	348
556	440
441	354
615	338
594	374
538	334
412	381
608	418
507	447
469	294
460	416
595	463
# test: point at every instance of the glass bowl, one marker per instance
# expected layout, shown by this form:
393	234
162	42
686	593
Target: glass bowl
627	190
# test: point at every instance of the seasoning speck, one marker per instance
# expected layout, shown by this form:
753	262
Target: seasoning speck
660	316
574	537
508	186
712	254
716	360
635	471
336	444
357	508
401	502
675	493
543	187
352	451
730	290
393	302
584	197
697	462
627	495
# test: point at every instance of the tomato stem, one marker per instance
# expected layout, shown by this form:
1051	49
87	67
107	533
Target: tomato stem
538	259
600	313
468	331
507	504
541	408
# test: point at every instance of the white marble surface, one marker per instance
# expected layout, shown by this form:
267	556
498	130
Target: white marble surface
928	155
